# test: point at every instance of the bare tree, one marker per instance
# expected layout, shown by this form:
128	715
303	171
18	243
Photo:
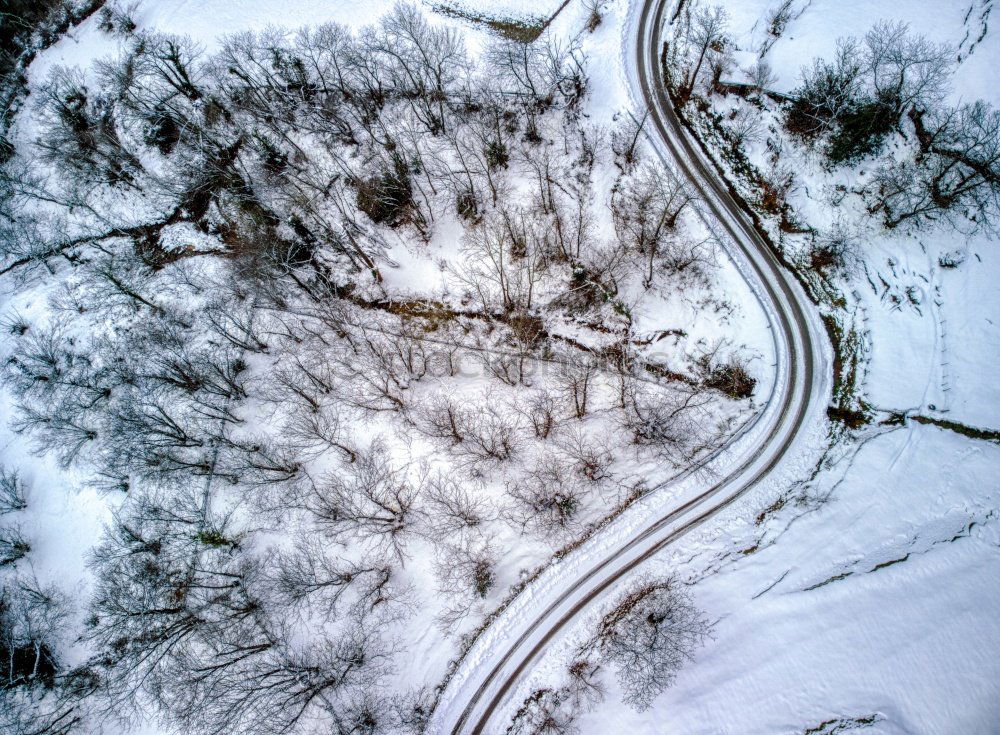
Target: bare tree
670	421
905	70
503	262
830	89
556	710
626	139
81	134
492	436
13	494
649	633
286	687
13	545
453	506
441	418
646	209
40	695
313	433
466	573
481	436
547	499
370	500
542	410
744	125
700	35
535	75
589	456
427	63
955	176
309	575
379	367
576	379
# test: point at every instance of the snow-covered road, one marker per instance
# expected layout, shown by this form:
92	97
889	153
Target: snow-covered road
792	418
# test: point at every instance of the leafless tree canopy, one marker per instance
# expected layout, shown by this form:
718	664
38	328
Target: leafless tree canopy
368	499
651	631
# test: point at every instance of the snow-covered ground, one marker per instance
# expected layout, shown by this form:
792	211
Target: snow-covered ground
864	597
66	517
935	347
881	601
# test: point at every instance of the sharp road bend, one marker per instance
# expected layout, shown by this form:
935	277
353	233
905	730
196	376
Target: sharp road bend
488	675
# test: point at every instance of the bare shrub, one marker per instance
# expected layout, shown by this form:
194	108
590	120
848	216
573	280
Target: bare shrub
744	126
541	409
466	573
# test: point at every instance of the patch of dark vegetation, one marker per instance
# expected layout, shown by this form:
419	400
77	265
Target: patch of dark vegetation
522	31
851	418
26	664
828	580
972	432
951	261
842	724
26	656
900	418
388	197
846	362
770	510
861	131
733	379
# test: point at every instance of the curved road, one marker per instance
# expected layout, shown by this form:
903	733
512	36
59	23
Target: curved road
492	669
